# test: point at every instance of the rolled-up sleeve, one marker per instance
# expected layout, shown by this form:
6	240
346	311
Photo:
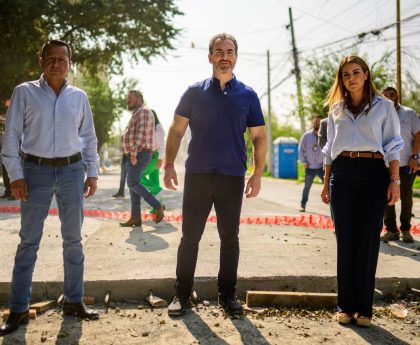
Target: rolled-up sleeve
90	143
392	140
13	134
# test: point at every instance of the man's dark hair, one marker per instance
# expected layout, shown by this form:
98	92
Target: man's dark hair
55	43
390	88
222	36
137	93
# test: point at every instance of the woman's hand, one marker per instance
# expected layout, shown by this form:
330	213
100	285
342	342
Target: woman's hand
325	194
393	193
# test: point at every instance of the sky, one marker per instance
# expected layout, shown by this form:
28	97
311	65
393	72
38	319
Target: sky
259	26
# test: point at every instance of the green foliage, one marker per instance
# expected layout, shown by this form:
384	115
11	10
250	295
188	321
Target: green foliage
320	74
100	32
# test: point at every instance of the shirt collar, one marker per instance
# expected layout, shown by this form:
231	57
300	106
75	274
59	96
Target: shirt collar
44	81
231	83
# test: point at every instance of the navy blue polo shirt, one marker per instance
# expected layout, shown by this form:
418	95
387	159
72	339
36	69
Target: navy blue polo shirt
218	120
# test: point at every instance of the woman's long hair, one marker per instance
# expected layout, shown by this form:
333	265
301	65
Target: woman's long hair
338	91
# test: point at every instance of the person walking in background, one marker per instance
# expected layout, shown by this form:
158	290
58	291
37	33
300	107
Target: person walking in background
363	130
218	110
310	155
123	174
138	145
150	177
51	163
409	163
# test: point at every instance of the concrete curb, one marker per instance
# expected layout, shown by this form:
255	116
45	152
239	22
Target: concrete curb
138	289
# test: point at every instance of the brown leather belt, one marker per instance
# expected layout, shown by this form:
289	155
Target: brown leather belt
54	162
362	154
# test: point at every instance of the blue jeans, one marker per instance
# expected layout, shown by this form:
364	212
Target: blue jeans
67	184
138	191
309	179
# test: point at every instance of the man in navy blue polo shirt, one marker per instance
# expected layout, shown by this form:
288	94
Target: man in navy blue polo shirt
218	110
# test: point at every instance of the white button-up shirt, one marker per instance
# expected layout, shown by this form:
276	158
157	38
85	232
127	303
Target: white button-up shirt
378	131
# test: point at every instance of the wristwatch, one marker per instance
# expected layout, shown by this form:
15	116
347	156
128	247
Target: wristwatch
416	157
397	181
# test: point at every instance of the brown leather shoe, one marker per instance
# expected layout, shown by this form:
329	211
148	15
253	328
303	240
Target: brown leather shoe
132	222
13	321
159	213
79	309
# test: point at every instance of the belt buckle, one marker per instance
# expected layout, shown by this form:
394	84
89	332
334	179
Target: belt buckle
351	154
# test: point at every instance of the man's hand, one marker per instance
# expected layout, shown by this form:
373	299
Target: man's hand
19	189
393	193
170	175
253	186
133	159
90	186
306	165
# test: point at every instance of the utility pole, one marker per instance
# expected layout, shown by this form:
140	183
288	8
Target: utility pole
269	130
399	52
297	73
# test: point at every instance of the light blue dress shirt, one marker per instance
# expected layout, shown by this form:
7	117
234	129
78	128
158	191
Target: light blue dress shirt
49	126
410	125
379	131
309	151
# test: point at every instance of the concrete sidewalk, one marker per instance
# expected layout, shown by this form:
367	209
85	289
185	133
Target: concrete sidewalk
130	261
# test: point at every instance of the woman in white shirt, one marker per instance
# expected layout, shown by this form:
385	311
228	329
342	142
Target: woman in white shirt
363	132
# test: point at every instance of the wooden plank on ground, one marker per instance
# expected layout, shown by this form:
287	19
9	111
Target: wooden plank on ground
290	299
43	306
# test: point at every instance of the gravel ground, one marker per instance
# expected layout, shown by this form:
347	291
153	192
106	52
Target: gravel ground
134	322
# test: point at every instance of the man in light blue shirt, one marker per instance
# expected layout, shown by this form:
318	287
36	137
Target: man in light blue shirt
49	135
409	163
310	154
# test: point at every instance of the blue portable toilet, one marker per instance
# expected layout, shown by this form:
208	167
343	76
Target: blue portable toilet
285	157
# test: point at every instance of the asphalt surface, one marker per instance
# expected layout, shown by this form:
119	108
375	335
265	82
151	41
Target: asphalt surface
131	261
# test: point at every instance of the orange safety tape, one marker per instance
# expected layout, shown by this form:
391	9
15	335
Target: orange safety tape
305	220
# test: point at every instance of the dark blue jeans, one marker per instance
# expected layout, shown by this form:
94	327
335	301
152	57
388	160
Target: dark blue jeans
137	191
358	188
201	192
406	191
309	179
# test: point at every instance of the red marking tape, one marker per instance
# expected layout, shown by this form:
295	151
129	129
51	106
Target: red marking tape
306	220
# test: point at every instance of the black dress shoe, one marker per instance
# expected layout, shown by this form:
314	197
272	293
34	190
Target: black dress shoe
79	309
13	321
230	304
179	305
132	222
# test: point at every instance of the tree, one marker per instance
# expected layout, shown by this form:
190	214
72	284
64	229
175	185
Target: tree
101	33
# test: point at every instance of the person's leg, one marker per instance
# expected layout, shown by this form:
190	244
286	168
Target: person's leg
6	181
123	175
342	208
371	203
196	206
390	220
148	177
309	178
40	181
69	195
138	191
320	174
406	189
229	192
